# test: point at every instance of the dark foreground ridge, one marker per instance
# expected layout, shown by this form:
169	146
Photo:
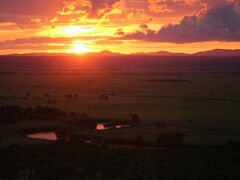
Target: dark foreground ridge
70	161
73	158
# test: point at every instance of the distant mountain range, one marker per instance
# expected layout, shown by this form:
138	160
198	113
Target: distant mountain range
160	53
215	52
219	52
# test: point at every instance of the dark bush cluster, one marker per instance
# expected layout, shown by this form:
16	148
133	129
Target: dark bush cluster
13	114
68	161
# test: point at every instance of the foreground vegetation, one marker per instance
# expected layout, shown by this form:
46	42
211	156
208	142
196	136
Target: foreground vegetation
73	160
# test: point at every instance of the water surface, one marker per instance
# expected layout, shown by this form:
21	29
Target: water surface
103	126
50	136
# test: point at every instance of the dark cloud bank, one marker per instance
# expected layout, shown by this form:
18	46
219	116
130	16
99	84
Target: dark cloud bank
220	22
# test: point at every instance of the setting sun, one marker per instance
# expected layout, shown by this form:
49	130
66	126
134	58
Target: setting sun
78	47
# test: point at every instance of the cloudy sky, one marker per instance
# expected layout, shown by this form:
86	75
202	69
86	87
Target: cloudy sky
124	26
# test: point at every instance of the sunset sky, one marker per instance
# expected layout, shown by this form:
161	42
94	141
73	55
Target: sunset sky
125	26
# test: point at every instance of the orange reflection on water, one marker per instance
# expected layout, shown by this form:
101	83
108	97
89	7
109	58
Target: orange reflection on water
101	127
122	126
50	136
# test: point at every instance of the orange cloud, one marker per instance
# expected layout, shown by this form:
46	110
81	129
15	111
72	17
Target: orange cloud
100	23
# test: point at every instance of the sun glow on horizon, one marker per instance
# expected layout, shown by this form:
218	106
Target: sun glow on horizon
78	48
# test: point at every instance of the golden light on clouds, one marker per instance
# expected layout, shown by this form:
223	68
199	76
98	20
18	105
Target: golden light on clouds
124	26
67	31
75	30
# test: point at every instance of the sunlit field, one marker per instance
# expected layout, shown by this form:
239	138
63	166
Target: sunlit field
190	98
143	116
